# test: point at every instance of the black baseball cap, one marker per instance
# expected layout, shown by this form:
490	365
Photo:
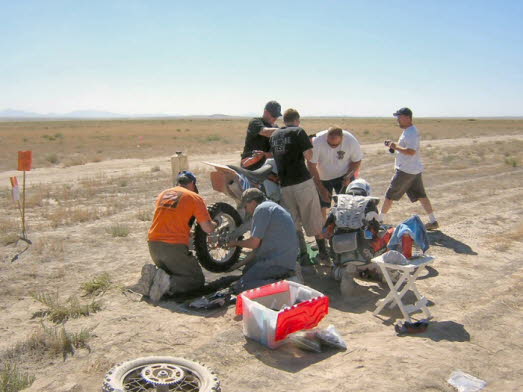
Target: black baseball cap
274	108
403	111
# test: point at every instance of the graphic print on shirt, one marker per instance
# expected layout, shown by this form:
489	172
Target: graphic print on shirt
170	199
279	143
341	154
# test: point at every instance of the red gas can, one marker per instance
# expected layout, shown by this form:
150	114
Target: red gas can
406	245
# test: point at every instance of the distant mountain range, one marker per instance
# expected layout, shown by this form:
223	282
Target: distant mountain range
12	114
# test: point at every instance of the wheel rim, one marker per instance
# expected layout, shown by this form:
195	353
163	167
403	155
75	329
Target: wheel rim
216	240
162	377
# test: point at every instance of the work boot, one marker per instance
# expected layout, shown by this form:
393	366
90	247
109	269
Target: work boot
432	226
146	280
160	286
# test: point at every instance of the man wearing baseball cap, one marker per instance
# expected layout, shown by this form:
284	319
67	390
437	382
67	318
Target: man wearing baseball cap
407	177
175	270
273	239
260	129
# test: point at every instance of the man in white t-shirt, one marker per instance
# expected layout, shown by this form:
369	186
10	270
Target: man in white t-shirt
336	158
407	177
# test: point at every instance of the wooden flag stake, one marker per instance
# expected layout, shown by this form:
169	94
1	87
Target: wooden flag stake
25	159
23	208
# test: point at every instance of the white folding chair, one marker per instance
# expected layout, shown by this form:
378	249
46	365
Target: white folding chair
408	275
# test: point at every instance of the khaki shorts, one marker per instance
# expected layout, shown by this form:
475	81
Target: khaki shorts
303	203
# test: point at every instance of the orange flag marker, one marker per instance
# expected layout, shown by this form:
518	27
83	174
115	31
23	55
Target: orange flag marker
25	160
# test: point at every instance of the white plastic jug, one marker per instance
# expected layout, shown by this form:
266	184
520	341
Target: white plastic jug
179	162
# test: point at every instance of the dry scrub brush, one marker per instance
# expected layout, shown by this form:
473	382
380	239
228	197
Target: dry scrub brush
97	285
59	312
9	228
50	340
12	379
118	230
64	216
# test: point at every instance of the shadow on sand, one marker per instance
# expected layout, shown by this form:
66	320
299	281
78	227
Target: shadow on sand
438	238
363	297
288	357
431	273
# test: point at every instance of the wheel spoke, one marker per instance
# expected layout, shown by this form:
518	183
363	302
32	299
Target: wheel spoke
219	254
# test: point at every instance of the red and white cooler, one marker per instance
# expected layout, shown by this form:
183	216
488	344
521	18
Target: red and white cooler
272	312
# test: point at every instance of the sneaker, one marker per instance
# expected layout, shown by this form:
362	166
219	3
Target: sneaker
432	225
146	280
160	286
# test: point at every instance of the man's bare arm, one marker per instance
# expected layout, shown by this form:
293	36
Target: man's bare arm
208	226
251	243
313	169
353	168
267	132
308	154
402	150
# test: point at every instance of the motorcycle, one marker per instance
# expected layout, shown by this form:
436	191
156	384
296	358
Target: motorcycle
356	235
211	249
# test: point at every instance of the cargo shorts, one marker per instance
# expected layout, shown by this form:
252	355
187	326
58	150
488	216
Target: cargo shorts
402	183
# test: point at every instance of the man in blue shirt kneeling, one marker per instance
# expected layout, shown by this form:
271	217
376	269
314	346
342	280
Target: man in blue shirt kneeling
273	239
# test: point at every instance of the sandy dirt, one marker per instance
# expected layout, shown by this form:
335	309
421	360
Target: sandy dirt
474	287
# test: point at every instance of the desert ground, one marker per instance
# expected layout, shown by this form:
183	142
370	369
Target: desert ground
65	318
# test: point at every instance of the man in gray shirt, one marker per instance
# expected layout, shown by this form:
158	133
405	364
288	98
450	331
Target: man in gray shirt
274	239
409	168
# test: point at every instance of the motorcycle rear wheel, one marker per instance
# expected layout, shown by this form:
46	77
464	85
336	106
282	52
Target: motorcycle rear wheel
211	253
160	374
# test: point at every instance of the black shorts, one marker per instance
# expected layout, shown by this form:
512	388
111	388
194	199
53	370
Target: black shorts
335	184
402	183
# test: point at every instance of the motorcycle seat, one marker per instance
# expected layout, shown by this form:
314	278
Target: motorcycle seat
257	176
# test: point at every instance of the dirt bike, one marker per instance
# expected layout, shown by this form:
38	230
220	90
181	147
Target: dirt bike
230	180
356	235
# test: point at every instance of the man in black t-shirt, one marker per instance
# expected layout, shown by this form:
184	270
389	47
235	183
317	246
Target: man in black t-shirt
290	146
259	131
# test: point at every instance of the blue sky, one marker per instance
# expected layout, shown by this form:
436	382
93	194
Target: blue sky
357	58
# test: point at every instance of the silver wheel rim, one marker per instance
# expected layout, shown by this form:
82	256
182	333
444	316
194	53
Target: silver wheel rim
219	254
161	377
162	374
